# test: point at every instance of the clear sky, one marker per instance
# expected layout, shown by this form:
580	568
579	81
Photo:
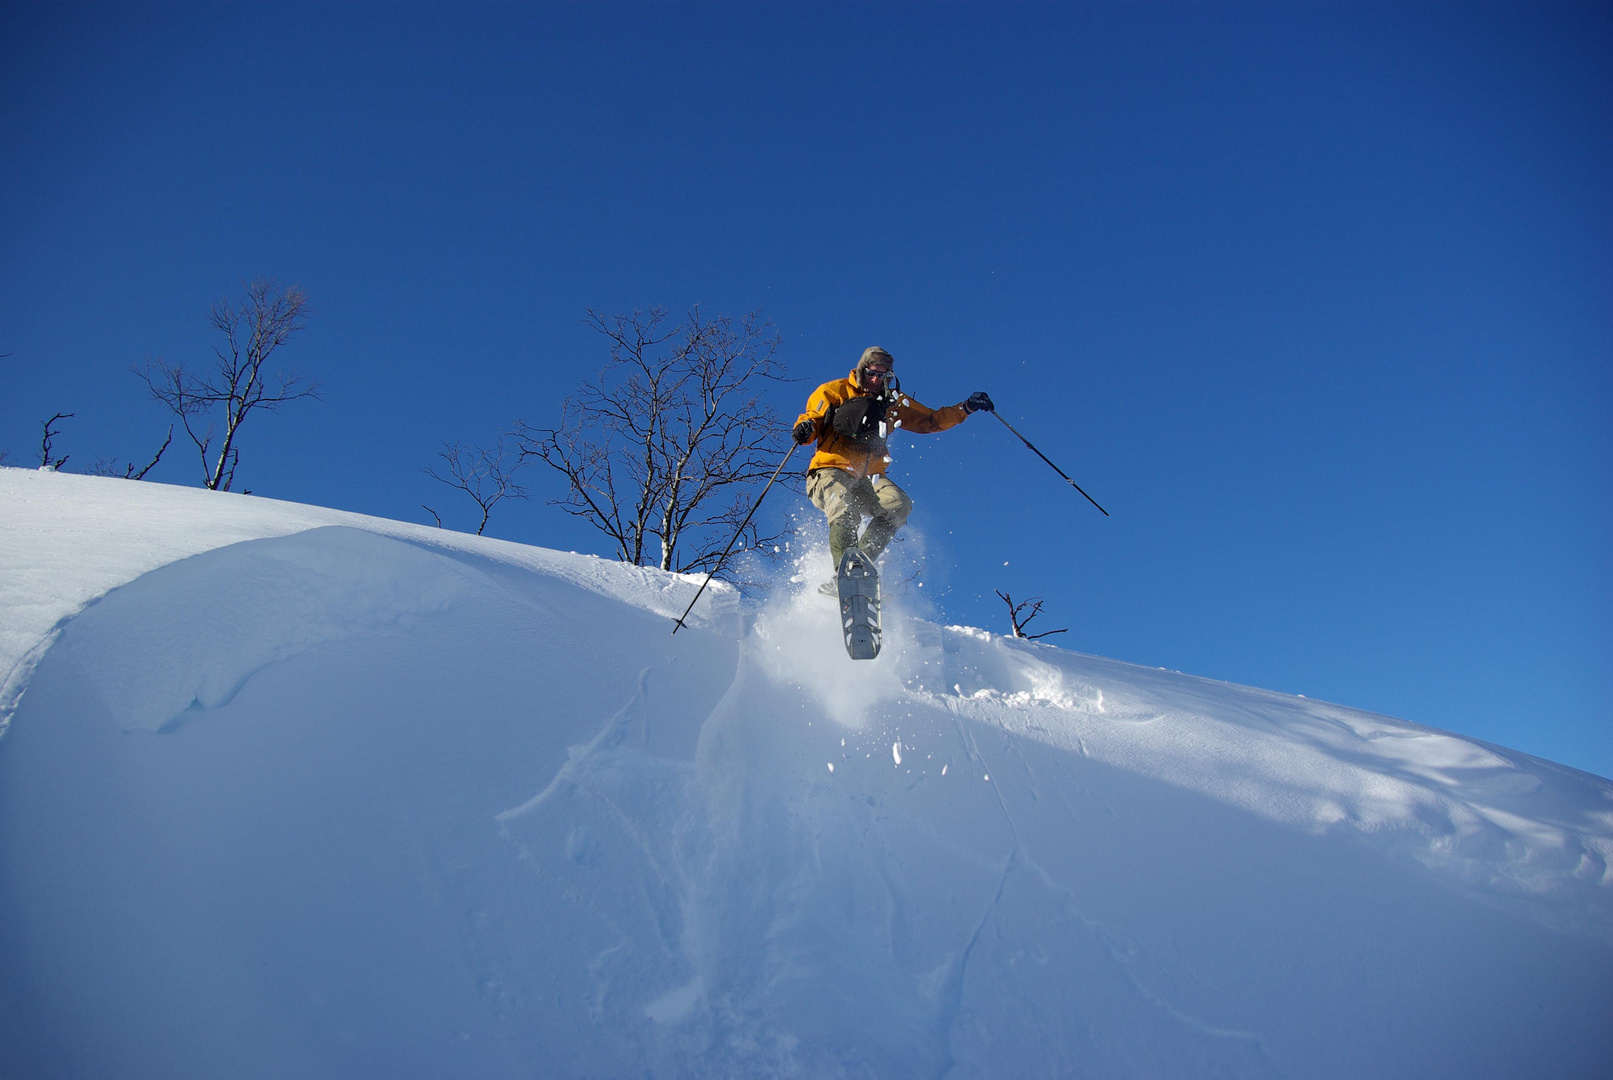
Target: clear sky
1317	300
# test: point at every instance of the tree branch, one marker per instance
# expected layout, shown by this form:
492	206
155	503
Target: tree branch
47	439
1022	613
487	475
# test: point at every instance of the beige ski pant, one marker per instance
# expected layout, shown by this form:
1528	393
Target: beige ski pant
844	500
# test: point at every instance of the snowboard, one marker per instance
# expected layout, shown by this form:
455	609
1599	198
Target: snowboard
858	581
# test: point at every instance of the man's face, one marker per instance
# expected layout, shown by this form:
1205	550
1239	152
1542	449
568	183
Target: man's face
875	376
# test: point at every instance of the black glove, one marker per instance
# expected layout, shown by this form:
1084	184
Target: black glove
803	432
978	401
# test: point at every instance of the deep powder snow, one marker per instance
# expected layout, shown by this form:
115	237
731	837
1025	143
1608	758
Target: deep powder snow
287	791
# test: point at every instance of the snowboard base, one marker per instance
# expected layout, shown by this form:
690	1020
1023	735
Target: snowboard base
858	581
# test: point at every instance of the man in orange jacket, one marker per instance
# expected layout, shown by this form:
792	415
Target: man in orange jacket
851	419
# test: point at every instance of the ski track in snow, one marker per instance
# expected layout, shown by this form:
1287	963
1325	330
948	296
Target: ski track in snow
604	850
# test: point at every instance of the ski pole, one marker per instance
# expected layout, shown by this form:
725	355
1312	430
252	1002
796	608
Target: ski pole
1044	457
718	564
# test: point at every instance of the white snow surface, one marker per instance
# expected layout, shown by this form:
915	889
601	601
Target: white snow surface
292	791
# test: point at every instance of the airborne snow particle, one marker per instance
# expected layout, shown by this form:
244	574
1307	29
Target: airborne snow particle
896	751
831	766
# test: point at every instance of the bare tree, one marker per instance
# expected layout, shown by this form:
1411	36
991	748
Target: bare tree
103	467
237	386
1022	613
48	438
661	452
485	474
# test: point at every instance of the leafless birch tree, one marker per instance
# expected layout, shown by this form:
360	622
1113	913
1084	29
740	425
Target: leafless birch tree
662	451
236	386
485	474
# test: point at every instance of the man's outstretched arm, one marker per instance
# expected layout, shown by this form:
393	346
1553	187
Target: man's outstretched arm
920	419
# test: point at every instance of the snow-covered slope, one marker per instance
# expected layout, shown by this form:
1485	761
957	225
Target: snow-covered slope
66	540
288	791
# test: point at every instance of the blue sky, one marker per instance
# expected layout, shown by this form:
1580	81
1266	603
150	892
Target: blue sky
1317	300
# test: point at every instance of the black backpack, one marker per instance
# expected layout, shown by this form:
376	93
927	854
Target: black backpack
860	420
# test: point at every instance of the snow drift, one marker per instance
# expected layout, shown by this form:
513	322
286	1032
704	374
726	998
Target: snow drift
292	791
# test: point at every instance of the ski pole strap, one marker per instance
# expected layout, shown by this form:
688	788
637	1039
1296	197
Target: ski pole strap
678	622
1044	457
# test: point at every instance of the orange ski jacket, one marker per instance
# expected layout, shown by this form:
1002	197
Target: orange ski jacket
868	457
